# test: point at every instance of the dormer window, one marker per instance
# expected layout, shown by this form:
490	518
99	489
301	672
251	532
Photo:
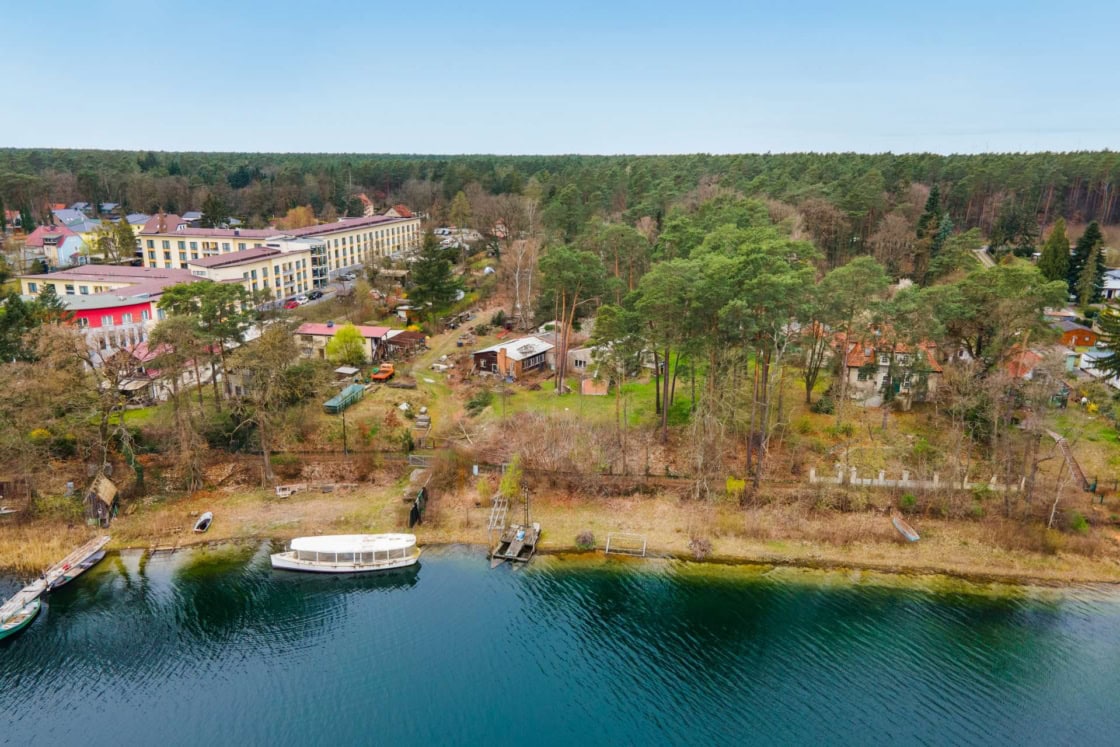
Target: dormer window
884	359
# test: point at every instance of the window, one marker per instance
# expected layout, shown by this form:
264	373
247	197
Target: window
225	246
69	289
151	244
241	246
151	256
126	318
884	360
864	375
32	287
161	314
107	320
166	244
83	323
182	245
83	289
194	245
145	315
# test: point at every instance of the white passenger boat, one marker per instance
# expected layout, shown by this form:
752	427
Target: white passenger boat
348	553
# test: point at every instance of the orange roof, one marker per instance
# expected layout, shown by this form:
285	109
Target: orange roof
1022	362
402	211
864	352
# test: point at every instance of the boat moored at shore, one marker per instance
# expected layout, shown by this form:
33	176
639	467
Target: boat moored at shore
20	618
348	553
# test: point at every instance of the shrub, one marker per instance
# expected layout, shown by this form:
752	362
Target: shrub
823	406
1078	523
585	540
700	547
480	401
803	425
907	501
735	488
844	430
287	466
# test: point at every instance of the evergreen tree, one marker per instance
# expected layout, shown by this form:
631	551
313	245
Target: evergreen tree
50	309
1091	281
1054	262
433	281
3	217
944	231
26	221
1090	240
1109	324
215	214
931	216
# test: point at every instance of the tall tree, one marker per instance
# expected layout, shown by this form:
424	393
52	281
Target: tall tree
1089	241
177	345
433	283
1109	324
931	216
460	213
264	365
124	239
1054	262
215	213
572	278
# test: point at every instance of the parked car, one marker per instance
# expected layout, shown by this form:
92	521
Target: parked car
348	276
291	304
315	295
302	299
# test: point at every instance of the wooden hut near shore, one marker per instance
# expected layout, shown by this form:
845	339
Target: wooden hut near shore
101	501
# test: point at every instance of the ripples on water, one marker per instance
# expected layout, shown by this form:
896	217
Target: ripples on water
217	648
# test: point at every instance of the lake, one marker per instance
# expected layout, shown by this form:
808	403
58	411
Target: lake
213	647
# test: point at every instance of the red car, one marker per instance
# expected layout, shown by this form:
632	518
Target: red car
293	304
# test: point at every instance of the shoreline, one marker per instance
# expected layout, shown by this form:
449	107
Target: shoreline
766	537
911	576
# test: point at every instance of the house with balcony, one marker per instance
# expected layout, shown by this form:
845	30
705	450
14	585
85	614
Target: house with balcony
312	339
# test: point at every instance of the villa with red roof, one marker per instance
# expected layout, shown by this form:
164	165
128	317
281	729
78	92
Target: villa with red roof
913	370
312	339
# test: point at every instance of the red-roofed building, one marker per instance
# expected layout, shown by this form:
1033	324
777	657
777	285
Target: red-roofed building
312	339
913	371
398	211
1022	363
59	245
367	205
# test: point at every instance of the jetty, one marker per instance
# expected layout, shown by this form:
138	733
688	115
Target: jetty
56	575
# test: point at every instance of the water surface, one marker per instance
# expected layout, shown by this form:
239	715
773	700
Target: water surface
216	648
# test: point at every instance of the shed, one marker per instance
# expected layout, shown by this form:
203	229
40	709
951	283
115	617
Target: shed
344	399
101	501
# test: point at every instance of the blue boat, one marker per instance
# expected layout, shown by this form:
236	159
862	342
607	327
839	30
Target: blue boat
908	532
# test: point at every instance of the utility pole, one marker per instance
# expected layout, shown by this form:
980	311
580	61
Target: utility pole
344	451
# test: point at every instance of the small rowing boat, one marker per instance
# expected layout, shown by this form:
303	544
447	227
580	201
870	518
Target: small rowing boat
69	573
203	522
20	619
908	532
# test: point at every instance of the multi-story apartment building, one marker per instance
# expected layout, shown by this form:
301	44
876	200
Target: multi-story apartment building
263	271
168	241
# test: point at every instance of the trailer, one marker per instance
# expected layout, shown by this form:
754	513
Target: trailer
344	399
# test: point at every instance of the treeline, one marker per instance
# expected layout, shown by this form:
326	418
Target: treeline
976	190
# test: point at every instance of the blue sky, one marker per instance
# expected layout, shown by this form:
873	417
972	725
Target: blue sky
611	76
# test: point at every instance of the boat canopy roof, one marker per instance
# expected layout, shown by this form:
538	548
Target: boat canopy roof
342	543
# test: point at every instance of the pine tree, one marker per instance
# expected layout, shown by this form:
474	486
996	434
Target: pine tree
433	281
1091	281
1090	240
125	239
215	214
1054	262
3	218
26	221
932	213
1109	324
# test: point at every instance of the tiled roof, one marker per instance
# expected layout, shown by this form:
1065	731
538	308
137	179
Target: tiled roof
1067	326
345	224
236	258
1022	362
35	238
402	211
866	351
328	330
117	274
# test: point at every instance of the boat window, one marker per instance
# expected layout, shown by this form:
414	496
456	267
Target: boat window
346	557
367	557
381	555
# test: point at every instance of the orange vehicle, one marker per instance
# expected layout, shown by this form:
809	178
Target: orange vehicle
384	372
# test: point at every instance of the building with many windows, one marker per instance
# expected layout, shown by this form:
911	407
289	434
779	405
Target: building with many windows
114	306
265	271
169	241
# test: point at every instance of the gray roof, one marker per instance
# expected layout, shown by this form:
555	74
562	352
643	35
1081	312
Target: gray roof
137	219
520	349
192	215
1067	326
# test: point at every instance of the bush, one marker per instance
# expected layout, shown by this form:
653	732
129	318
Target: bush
480	401
700	547
803	425
1078	523
907	501
844	430
287	466
585	540
823	406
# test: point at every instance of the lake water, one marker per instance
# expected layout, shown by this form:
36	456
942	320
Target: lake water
214	648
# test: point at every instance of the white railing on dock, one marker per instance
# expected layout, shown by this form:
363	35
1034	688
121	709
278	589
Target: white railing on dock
624	543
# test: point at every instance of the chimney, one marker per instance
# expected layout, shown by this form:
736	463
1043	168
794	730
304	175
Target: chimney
237	232
162	225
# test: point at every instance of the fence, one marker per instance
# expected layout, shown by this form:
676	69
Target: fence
623	543
882	481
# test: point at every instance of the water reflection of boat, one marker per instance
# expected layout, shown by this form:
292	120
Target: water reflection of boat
348	553
204	522
71	573
20	619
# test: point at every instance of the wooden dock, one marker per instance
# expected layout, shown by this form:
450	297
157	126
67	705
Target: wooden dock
51	576
518	543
